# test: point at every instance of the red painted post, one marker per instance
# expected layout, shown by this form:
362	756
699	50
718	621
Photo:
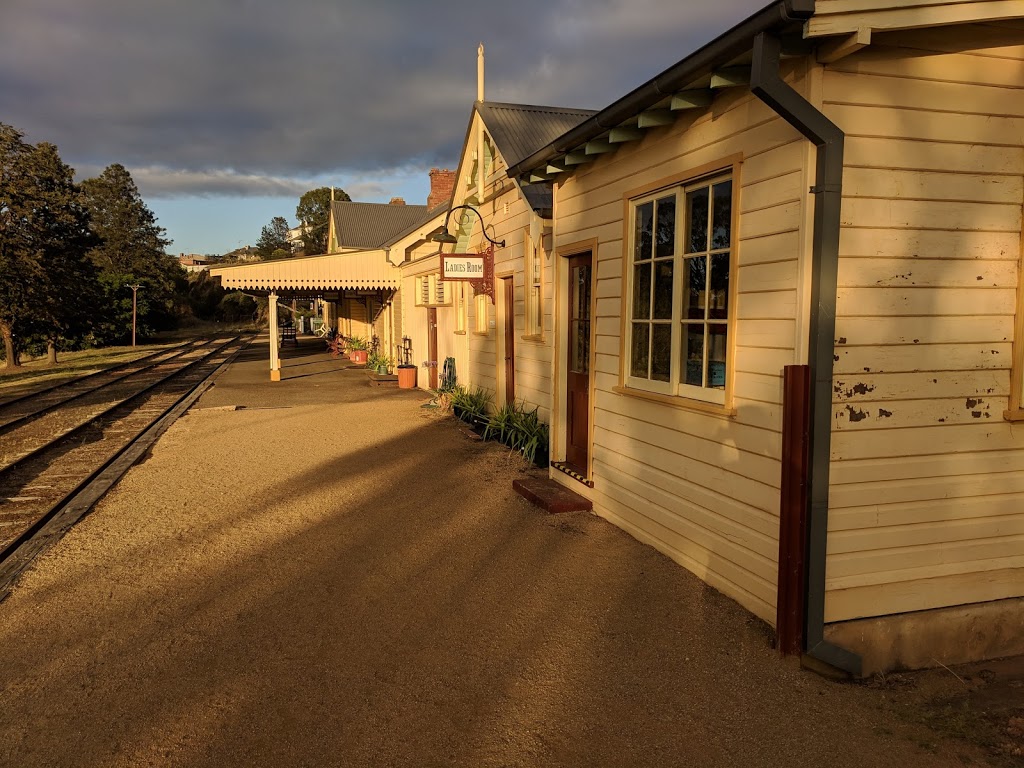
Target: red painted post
793	510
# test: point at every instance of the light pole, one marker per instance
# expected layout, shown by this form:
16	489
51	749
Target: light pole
135	302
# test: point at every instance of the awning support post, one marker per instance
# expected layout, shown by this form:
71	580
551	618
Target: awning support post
275	358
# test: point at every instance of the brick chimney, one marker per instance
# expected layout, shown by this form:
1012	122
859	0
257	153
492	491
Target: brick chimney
397	201
442	182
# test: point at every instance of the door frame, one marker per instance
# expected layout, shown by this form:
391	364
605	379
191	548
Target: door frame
432	346
559	410
507	358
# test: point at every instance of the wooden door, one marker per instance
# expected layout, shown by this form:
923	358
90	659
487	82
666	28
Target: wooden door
577	383
432	345
510	340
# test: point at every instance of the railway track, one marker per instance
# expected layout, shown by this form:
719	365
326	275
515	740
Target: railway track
63	447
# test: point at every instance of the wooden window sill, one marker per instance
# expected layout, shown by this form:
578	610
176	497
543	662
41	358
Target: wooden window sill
481	333
538	337
1014	415
683	403
459	333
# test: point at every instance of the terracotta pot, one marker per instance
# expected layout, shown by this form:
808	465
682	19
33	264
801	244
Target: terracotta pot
358	356
407	376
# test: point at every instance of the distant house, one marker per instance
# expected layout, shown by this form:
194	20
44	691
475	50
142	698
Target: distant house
244	254
193	262
295	240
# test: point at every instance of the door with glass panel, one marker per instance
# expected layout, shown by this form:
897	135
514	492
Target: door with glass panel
577	449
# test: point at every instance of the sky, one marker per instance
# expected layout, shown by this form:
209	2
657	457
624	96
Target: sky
226	111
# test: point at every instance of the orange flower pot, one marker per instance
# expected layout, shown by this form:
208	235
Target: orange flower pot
406	376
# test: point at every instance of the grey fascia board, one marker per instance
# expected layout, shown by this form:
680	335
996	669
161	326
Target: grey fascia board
722	49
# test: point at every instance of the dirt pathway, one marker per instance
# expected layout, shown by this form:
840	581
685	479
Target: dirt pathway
335	576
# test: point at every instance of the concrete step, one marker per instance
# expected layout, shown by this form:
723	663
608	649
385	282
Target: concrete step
550	496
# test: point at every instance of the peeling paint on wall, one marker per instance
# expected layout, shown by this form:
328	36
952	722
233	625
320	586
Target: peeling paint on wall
856	414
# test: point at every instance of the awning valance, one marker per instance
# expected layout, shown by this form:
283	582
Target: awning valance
363	270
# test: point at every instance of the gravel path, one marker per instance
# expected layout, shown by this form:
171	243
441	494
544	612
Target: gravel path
336	576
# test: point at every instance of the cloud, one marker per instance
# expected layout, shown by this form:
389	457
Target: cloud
155	181
253	97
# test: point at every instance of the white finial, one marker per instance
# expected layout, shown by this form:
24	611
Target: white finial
480	73
332	193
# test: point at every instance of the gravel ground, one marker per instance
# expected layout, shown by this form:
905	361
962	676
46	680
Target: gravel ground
335	576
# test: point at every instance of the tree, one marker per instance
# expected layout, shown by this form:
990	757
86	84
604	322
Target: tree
130	252
46	282
67	304
313	213
274	238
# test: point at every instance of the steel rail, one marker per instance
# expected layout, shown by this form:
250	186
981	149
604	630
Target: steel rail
85	377
71	506
20	460
140	365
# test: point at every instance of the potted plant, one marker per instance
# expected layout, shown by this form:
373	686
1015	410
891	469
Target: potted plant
384	365
406	371
357	350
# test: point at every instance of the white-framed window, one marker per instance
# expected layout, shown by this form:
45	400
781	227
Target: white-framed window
461	308
534	256
431	291
480	310
678	270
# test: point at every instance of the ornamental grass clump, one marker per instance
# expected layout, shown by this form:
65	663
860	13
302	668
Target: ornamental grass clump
470	406
521	430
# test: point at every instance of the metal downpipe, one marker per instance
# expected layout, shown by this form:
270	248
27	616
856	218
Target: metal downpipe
769	87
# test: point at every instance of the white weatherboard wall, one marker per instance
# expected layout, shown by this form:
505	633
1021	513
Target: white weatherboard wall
927	498
532	353
701	487
508	218
414	320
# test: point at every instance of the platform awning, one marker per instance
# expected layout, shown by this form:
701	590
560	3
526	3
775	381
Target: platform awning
363	270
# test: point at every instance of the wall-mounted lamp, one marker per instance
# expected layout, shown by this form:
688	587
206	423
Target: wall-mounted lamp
442	235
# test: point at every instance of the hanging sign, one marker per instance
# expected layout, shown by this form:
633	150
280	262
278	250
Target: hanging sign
475	268
463	266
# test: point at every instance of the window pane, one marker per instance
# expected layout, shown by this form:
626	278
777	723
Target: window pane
538	309
579	346
641	345
696	288
717	347
697	208
642	291
693	354
643	240
721	224
666	234
718	308
661	352
663	290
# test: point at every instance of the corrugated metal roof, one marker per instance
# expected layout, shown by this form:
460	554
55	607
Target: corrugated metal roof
438	210
370	225
519	130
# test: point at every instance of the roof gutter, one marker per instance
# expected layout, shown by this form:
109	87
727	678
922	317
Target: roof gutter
766	84
723	48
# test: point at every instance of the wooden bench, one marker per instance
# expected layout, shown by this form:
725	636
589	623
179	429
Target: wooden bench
288	334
